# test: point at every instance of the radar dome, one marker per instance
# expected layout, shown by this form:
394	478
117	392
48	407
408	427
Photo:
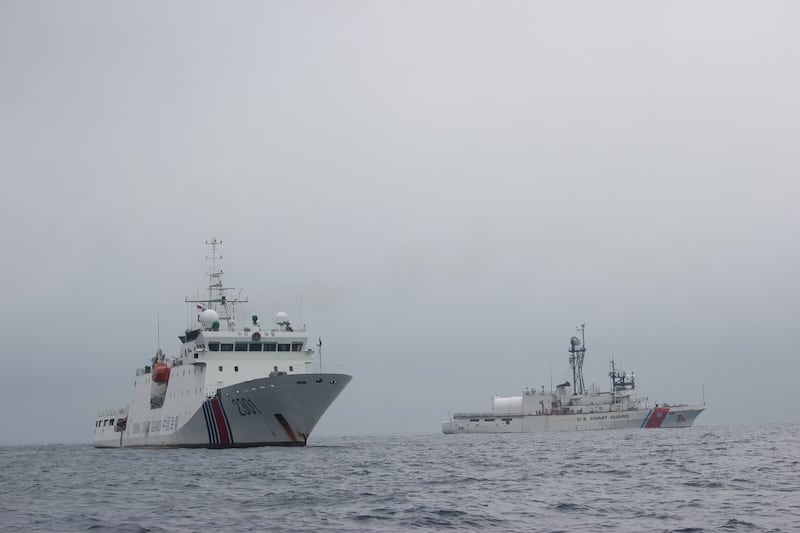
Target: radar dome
281	317
208	317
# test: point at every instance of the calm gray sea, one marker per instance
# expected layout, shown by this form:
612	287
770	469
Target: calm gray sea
735	478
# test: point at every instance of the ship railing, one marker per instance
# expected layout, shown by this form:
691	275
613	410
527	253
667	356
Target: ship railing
273	331
112	412
486	415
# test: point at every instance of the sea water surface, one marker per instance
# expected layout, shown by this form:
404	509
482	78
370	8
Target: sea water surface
734	478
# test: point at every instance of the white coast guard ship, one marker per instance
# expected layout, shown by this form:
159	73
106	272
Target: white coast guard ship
230	386
572	407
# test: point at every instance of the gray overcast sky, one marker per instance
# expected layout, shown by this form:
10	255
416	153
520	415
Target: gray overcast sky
441	190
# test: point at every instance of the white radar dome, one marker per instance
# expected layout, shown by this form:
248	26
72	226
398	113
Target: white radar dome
281	317
208	317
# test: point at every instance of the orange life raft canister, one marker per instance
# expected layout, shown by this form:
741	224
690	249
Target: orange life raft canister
161	373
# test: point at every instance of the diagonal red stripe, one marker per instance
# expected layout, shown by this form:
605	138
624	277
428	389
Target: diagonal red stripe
657	418
219	418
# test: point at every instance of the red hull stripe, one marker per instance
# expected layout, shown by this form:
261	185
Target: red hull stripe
221	422
657	417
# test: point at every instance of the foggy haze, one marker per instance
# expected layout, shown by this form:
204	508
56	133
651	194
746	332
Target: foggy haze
442	191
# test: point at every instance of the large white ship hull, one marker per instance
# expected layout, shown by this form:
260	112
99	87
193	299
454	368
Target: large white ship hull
573	407
231	384
659	417
280	410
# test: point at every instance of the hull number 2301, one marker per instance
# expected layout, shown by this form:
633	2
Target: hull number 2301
245	406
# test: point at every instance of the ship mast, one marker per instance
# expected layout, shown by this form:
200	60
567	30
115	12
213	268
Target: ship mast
214	243
577	352
217	300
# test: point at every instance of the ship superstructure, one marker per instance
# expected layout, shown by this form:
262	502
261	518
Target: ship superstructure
573	407
230	385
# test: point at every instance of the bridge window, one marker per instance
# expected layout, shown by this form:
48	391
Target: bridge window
236	369
297	346
213	346
270	347
220	368
241	346
256	346
227	347
283	347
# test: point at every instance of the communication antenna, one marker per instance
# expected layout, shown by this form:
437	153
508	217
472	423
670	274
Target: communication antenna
213	243
158	322
217	299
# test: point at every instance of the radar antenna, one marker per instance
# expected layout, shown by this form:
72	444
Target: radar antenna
226	307
214	243
620	381
577	352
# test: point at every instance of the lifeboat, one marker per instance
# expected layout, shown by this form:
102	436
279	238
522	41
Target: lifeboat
161	373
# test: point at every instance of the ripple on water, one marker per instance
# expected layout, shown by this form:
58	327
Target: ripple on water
698	479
